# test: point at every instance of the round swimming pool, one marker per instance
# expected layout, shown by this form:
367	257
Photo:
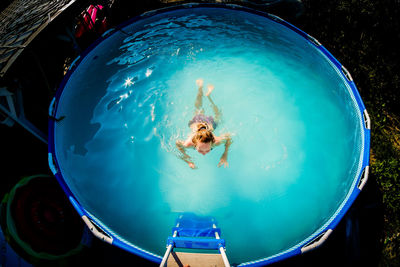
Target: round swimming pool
300	135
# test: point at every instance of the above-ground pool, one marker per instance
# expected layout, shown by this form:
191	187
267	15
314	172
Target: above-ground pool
299	128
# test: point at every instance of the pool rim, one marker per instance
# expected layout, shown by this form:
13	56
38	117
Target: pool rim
311	242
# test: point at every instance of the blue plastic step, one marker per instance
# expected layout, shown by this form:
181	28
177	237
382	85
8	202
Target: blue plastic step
196	243
196	232
193	221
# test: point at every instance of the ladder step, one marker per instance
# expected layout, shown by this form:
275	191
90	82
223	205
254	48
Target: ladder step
194	260
192	221
196	243
196	232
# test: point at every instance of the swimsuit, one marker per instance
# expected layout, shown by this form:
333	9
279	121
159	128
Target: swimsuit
203	118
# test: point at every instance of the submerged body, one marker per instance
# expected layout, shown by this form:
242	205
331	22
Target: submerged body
202	137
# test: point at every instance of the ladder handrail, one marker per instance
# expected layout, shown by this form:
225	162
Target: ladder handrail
222	250
169	249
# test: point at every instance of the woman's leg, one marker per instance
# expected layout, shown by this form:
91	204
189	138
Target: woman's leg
217	112
199	98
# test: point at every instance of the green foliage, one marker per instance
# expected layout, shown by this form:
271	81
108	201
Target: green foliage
364	36
386	167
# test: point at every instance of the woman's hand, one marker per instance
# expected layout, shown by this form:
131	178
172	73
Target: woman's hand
223	161
191	165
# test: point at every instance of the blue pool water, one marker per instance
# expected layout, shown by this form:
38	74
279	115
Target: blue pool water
296	131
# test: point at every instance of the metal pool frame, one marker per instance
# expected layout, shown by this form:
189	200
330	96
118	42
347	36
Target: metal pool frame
313	241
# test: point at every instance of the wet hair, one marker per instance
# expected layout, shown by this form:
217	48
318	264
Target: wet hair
203	135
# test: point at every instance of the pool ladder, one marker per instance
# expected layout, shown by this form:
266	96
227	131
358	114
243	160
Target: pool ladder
195	233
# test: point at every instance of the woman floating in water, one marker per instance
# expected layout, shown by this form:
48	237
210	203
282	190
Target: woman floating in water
202	137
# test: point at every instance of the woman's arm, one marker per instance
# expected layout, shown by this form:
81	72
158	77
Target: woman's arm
224	158
185	157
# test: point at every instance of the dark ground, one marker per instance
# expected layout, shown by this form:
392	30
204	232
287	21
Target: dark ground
362	35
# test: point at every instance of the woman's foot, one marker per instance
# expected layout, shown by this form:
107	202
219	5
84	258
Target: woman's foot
199	83
210	88
199	97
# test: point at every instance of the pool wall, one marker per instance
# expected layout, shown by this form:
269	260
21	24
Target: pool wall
313	241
